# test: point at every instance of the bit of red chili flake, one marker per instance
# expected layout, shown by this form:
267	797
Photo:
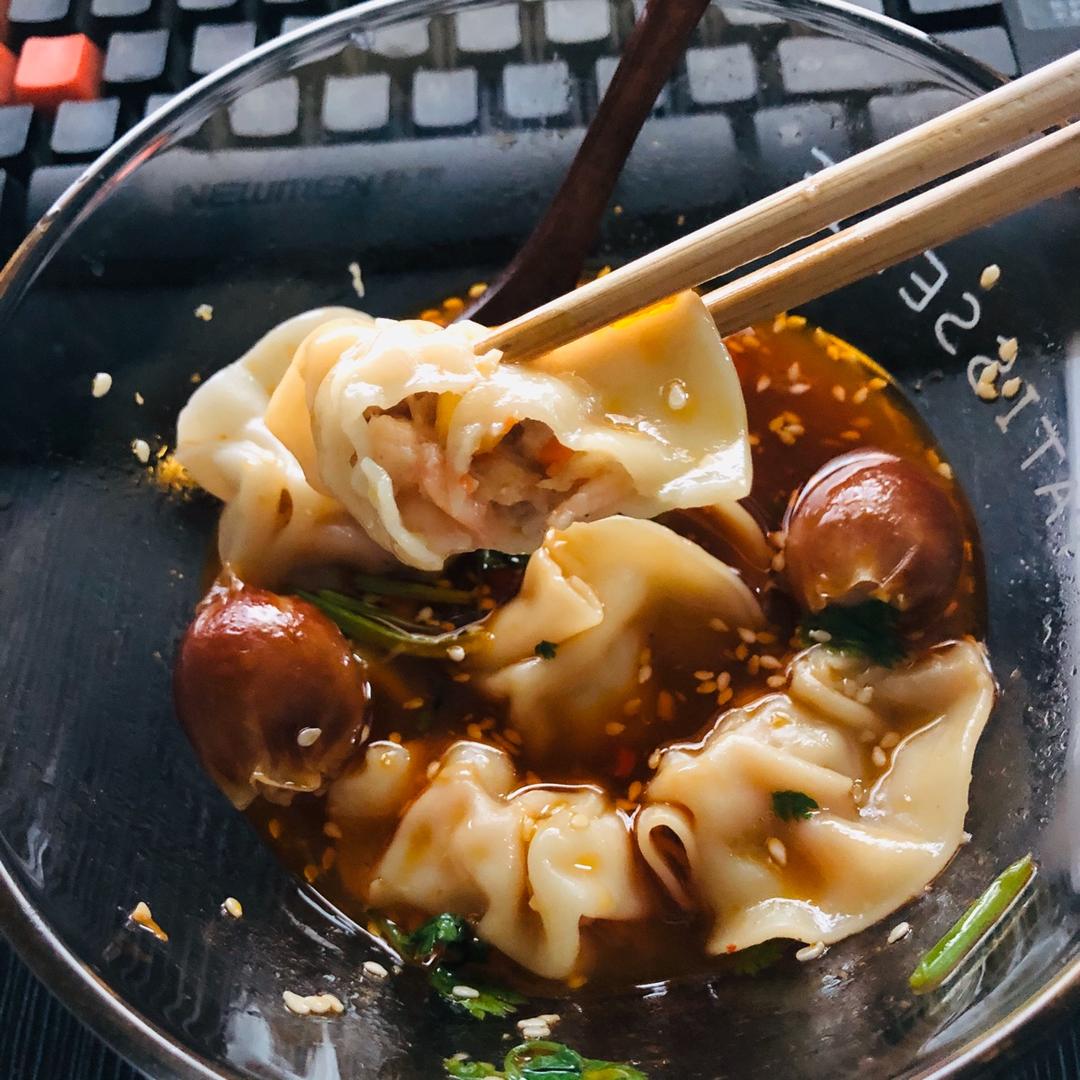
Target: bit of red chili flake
732	948
625	760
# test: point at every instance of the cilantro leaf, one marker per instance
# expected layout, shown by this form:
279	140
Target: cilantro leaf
436	935
470	1070
546	649
756	958
793	805
869	629
490	1000
537	1060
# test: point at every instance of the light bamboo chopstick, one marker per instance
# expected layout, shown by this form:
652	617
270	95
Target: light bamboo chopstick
1037	171
957	138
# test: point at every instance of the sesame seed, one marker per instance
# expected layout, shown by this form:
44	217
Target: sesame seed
1008	349
779	562
702	675
770	663
677	397
990	373
889	740
101	384
456	653
308	736
820	636
860	395
413	704
898	933
777	851
776	681
579	822
204	312
794	372
139	399
796	322
723	680
644	674
142	916
465	992
864	695
295	1003
707	687
632	707
719	625
741	651
633	792
477	290
274	828
357	279
141	449
311	873
1011	387
332	830
798	388
375	969
839	393
945	469
986	391
990	276
747	635
461	677
877	756
613	727
654	759
763	383
233	907
878	383
811	952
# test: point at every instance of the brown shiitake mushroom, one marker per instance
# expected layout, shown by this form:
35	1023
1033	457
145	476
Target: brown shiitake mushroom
269	692
872	526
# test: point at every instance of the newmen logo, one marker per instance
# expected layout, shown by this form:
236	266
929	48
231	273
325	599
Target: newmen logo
295	190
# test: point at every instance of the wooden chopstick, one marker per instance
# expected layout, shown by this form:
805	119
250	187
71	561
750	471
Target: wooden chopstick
1037	171
951	141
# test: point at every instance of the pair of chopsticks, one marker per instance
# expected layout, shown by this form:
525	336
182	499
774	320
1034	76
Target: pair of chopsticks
1045	167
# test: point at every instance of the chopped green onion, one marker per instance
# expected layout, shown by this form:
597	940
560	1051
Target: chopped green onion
542	1061
478	1001
382	634
973	926
793	805
371	611
868	629
415	590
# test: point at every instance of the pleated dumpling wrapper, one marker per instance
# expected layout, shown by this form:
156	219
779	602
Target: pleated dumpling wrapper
437	451
879	832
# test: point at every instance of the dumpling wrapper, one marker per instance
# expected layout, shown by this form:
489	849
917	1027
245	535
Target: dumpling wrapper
273	519
603	593
849	864
437	451
528	866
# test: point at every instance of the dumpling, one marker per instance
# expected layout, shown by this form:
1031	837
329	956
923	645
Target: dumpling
528	866
884	830
273	519
624	602
436	450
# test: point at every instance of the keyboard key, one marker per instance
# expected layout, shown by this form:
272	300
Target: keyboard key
403	41
157	101
536	91
605	72
52	70
84	128
216	44
719	76
119	9
1041	30
136	56
355	103
47	184
877	6
197	8
37	17
487	30
14	129
990	44
892	113
787	135
575	22
445	99
294	22
824	65
7	74
271	111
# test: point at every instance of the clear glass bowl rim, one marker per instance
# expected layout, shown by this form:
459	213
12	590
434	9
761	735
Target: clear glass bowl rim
133	1036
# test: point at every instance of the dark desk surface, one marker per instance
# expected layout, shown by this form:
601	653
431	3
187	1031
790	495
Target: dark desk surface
41	1040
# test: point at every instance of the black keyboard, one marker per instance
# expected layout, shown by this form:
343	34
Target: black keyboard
87	70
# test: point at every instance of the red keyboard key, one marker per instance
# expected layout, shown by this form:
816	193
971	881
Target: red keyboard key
7	73
56	69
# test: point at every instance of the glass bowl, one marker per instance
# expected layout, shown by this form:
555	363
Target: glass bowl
420	139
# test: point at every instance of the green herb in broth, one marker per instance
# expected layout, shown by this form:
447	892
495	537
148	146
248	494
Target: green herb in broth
383	632
477	1000
542	1061
868	629
972	927
414	590
793	805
